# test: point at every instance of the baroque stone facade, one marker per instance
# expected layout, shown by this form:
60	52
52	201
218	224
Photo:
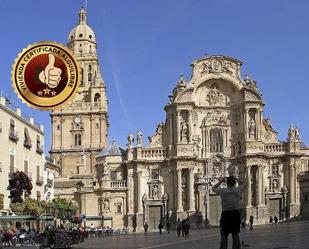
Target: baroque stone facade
214	127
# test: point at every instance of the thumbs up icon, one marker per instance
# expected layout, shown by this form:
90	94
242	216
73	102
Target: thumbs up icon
51	74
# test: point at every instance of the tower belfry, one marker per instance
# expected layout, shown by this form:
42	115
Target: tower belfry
81	126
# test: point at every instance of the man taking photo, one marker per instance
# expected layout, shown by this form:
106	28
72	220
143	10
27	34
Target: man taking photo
230	216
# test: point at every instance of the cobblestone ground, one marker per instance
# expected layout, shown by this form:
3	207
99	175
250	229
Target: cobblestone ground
283	236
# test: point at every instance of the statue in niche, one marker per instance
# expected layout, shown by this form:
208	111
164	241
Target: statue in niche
130	140
184	132
106	204
275	184
252	127
155	191
139	138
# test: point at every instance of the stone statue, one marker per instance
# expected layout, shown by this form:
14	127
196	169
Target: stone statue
139	138
155	192
106	204
252	127
184	132
130	140
297	133
267	124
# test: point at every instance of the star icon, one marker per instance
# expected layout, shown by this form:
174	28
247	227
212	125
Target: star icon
40	93
53	93
46	91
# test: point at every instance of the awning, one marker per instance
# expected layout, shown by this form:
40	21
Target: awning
18	218
97	218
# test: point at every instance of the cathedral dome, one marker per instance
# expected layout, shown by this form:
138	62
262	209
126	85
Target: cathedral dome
82	31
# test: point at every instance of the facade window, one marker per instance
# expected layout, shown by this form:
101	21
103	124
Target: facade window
82	77
216	140
113	175
97	97
275	169
89	76
12	161
306	198
155	174
78	139
38	196
58	127
38	172
26	167
27	139
89	68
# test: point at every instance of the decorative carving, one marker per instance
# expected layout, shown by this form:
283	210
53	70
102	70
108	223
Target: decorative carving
130	141
215	97
250	96
293	133
216	66
156	139
216	117
139	138
233	170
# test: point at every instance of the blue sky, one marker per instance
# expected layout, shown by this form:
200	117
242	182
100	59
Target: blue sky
144	45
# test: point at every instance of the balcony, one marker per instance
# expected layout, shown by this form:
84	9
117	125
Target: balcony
119	184
13	135
50	183
27	144
39	180
39	149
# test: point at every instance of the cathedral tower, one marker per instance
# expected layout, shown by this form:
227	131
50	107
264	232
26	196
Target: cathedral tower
80	128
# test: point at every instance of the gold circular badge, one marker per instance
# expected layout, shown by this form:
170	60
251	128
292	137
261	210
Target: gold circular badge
46	75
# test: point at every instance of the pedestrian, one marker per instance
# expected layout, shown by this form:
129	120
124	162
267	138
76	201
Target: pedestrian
230	216
168	226
146	227
276	220
243	223
271	220
160	226
251	222
183	227
187	227
178	227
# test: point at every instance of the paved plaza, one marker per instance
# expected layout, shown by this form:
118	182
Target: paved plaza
286	235
293	235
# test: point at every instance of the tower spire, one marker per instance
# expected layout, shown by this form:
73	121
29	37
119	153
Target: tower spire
82	16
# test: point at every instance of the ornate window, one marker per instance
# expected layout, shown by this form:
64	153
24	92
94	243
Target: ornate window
89	76
216	140
82	77
275	169
155	174
97	97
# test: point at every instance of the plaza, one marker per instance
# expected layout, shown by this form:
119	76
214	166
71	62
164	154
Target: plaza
292	235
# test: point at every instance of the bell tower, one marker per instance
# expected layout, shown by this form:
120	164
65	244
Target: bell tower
80	128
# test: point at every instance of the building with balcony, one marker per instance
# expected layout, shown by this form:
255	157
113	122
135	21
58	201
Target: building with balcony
20	135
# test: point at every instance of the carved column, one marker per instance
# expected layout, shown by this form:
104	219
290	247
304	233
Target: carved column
260	185
292	184
178	126
179	191
130	192
248	178
139	194
191	189
190	126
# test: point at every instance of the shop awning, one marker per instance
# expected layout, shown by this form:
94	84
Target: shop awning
18	218
97	218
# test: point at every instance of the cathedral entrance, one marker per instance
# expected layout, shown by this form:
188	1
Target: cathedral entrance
274	207
214	209
155	216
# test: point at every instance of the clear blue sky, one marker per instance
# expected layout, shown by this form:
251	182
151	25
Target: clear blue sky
143	46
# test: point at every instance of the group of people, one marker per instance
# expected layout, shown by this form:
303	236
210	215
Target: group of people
273	220
183	227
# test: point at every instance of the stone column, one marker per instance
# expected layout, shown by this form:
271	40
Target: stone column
260	185
292	184
178	127
139	194
246	123
189	126
191	189
130	192
248	178
263	185
179	191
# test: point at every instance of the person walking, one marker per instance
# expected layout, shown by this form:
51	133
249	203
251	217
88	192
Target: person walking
160	227
243	223
276	220
183	228
146	227
187	227
271	220
251	222
178	227
230	216
168	226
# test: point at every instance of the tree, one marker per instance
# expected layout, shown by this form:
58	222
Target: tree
28	207
63	208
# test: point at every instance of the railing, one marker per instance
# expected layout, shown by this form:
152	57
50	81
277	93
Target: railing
27	144
273	148
13	135
154	153
119	184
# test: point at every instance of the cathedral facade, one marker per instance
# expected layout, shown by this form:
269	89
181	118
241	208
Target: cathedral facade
214	127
